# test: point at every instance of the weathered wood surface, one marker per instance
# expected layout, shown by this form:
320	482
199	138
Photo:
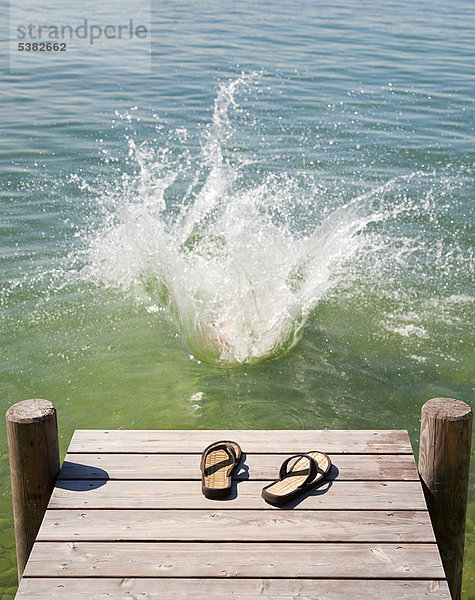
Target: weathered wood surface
138	559
237	525
233	588
127	519
444	465
33	449
259	467
337	495
252	441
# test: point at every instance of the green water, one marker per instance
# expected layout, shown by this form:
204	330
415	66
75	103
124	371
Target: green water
198	248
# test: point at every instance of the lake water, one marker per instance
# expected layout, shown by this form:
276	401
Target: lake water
267	223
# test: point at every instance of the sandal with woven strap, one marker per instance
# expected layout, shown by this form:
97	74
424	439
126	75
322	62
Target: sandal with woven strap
218	463
308	470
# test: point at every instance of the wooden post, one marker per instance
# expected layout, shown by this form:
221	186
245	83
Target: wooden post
444	460
32	432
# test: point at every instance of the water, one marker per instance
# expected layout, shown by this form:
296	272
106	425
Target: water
272	229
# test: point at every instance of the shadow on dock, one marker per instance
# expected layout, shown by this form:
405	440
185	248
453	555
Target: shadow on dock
86	477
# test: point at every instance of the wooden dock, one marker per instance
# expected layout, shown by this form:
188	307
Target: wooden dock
127	519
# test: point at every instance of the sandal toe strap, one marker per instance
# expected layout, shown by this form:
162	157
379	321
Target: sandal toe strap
219	446
313	468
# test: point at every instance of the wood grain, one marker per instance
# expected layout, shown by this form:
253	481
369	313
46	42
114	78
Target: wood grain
260	467
237	525
341	495
234	589
32	432
444	464
251	441
127	519
138	559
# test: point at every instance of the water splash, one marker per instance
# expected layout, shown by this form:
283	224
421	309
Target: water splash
239	255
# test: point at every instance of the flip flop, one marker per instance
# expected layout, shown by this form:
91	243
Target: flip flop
218	463
308	470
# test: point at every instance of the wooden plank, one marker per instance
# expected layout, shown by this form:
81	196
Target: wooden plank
251	441
237	525
139	559
261	467
128	507
339	495
234	589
